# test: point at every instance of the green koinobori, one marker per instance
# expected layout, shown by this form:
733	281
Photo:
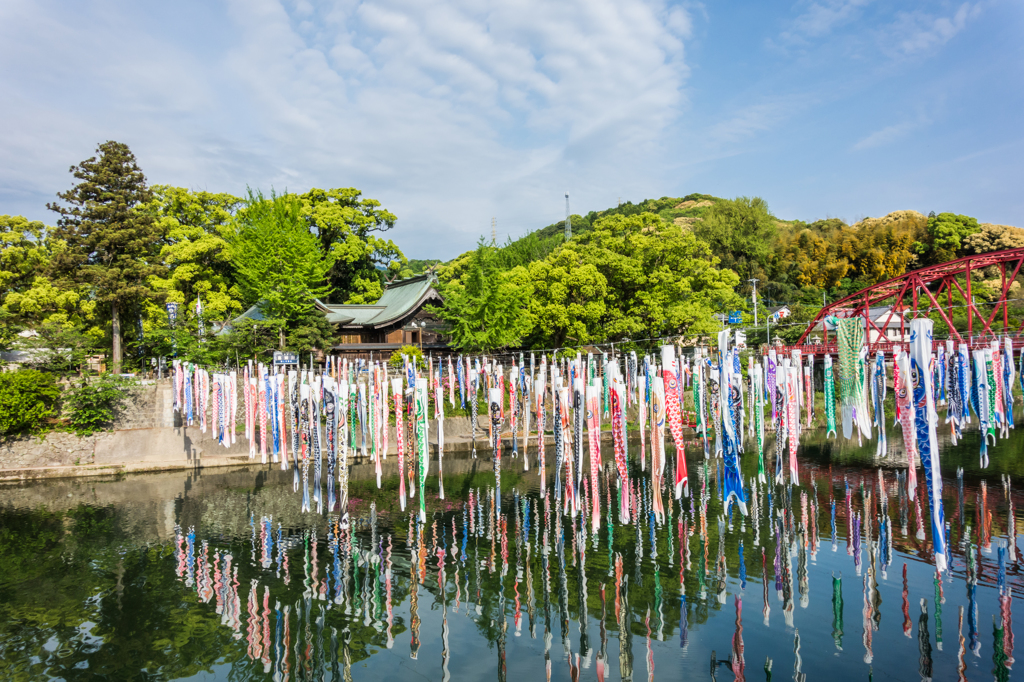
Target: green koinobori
830	398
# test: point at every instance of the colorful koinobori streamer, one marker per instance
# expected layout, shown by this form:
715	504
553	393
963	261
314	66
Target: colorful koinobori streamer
1008	376
925	422
699	396
980	402
494	413
792	418
594	441
830	398
878	391
730	382
852	384
539	392
578	425
396	390
343	446
618	395
525	407
905	409
327	415
421	441
673	411
757	399
439	416
658	416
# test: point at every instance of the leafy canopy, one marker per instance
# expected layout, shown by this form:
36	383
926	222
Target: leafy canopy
93	405
741	233
197	226
487	308
947	233
279	263
347	226
109	244
655	278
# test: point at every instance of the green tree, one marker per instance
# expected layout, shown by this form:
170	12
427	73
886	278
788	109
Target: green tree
569	300
197	226
947	233
661	279
23	255
487	309
310	333
248	338
110	244
741	233
413	352
24	252
279	263
348	226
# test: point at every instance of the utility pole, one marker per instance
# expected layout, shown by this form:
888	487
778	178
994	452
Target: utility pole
494	231
753	297
568	221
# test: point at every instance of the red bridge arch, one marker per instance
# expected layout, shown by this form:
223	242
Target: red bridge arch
929	290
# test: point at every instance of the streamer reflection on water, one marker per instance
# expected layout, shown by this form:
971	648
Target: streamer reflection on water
227	579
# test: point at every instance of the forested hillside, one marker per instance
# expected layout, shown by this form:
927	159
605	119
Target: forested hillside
609	288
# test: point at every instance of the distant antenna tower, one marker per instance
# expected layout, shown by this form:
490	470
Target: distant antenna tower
568	221
494	230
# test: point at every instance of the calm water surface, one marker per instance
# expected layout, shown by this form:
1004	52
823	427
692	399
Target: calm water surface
216	575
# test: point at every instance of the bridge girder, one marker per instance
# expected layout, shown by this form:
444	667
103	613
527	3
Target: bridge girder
909	292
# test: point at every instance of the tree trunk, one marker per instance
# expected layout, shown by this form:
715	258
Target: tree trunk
115	319
280	337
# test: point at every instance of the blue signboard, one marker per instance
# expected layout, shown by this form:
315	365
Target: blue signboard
735	317
285	358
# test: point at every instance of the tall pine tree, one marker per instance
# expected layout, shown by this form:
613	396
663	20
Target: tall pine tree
111	245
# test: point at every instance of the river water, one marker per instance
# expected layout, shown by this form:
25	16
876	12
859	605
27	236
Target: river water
217	575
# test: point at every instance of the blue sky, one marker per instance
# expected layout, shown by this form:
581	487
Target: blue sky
453	112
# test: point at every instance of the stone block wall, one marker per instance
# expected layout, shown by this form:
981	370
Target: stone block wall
149	406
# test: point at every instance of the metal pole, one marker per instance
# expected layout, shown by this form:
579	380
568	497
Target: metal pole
753	297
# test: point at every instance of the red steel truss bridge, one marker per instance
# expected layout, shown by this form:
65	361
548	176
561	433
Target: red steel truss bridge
937	289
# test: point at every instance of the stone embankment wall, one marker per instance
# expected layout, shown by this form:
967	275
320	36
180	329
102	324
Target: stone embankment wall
147	434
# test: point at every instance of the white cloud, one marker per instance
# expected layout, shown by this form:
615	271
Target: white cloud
819	19
886	135
919	32
750	120
449	112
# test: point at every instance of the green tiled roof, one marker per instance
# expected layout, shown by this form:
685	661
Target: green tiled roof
399	299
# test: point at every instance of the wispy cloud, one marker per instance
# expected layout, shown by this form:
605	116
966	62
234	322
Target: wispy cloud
747	121
914	33
819	19
886	135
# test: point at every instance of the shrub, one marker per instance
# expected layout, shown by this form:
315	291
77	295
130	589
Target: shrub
94	404
28	397
411	351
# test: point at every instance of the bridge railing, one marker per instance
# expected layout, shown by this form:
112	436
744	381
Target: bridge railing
890	347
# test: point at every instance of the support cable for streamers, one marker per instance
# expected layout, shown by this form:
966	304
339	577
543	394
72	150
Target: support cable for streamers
671	338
